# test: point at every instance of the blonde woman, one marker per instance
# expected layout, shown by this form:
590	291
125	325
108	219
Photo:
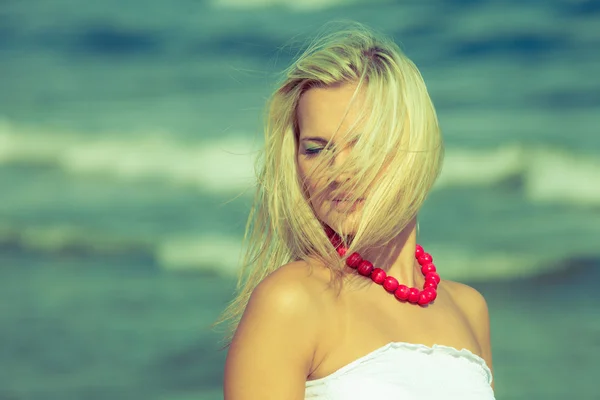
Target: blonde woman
336	298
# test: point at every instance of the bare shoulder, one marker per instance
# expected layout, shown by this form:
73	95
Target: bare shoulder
272	350
470	301
474	306
292	289
296	273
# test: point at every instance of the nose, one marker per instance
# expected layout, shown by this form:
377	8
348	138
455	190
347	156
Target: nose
338	161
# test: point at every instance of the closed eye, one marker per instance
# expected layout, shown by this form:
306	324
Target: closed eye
312	146
312	151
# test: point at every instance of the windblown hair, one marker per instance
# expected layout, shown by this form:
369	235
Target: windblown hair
395	158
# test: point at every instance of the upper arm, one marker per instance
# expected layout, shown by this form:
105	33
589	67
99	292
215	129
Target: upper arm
271	352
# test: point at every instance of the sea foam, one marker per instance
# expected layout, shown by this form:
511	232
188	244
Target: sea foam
226	165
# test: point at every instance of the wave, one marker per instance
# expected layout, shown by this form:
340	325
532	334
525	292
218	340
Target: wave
213	253
474	265
544	174
218	254
226	165
558	176
223	166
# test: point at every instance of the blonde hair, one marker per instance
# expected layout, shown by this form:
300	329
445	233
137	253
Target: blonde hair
396	158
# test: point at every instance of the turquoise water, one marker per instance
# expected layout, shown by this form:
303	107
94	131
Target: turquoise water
107	331
125	132
127	136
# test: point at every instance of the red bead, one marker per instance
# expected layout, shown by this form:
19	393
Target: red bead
431	293
432	276
425	259
402	292
353	260
390	284
427	268
413	297
430	285
328	231
378	276
334	239
365	268
428	293
424	298
419	251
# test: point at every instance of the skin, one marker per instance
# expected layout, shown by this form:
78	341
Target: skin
301	330
320	113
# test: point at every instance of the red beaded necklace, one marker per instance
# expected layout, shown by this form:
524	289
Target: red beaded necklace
389	283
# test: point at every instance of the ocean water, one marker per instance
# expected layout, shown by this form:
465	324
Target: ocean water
127	137
73	329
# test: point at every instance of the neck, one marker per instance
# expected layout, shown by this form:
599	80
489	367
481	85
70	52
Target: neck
397	257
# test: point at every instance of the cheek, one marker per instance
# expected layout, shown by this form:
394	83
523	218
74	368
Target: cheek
305	180
311	184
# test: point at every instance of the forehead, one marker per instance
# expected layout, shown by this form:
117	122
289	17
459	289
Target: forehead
323	111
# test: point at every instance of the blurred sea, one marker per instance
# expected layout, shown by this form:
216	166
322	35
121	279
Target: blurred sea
127	137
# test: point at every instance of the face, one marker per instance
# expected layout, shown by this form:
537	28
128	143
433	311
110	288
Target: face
321	111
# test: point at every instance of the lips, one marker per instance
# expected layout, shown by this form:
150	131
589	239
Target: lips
346	204
346	197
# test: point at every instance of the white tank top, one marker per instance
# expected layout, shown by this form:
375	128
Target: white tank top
406	371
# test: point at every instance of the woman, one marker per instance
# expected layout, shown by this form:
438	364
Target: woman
337	300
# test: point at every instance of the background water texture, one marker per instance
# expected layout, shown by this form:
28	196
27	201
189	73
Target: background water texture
127	136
